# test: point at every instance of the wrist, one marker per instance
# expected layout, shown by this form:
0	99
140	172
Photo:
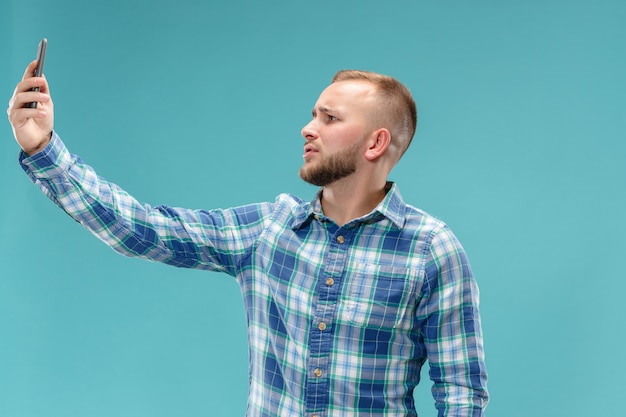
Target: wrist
42	144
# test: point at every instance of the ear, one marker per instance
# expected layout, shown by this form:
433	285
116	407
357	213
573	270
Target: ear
378	144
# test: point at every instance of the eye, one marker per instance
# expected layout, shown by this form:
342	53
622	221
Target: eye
331	118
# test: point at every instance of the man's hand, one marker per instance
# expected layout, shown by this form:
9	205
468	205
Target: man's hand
32	128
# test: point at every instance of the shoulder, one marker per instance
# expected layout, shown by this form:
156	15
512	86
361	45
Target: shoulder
427	227
416	217
284	209
439	242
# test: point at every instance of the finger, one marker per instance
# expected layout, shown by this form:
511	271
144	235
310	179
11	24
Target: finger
30	84
44	86
30	70
20	115
29	81
31	97
20	100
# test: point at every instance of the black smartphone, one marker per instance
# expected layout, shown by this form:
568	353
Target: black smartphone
41	57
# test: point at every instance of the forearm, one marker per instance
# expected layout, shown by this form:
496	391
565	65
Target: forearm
457	368
111	214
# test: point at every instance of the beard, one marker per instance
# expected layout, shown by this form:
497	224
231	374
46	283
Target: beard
331	168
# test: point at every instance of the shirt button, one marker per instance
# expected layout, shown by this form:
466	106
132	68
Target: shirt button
330	282
316	216
340	239
322	326
317	372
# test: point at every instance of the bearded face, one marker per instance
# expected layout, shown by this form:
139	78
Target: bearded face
334	138
324	169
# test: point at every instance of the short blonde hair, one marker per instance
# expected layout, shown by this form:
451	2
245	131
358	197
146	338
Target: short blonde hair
397	108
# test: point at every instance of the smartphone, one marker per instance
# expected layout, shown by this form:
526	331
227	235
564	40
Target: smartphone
41	57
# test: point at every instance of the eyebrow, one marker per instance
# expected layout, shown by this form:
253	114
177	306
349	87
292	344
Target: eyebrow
323	109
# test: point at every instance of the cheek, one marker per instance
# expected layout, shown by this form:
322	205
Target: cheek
347	136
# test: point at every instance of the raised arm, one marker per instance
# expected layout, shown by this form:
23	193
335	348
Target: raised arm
181	237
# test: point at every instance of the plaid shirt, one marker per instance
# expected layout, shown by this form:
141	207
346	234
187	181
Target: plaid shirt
340	319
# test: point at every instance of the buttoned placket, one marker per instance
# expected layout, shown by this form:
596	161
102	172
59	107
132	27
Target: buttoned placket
328	290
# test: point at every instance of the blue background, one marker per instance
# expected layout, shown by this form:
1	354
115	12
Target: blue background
520	148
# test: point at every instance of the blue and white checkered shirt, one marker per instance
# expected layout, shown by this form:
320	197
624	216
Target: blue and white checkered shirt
340	319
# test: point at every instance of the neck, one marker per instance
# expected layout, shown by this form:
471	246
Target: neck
346	200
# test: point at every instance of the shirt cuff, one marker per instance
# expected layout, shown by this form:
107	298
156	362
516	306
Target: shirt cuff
49	162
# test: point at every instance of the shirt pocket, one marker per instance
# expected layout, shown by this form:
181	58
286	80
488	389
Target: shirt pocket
380	296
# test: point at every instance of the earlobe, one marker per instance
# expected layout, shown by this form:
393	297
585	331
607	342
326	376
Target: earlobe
381	139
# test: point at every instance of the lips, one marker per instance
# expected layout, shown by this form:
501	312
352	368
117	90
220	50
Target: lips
309	150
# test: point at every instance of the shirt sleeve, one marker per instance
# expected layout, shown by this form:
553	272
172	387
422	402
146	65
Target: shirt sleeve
212	240
452	330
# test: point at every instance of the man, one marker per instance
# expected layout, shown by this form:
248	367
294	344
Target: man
346	296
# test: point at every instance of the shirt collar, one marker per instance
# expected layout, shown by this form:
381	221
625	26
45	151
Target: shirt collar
391	207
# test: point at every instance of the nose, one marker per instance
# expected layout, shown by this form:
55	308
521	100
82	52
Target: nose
309	132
